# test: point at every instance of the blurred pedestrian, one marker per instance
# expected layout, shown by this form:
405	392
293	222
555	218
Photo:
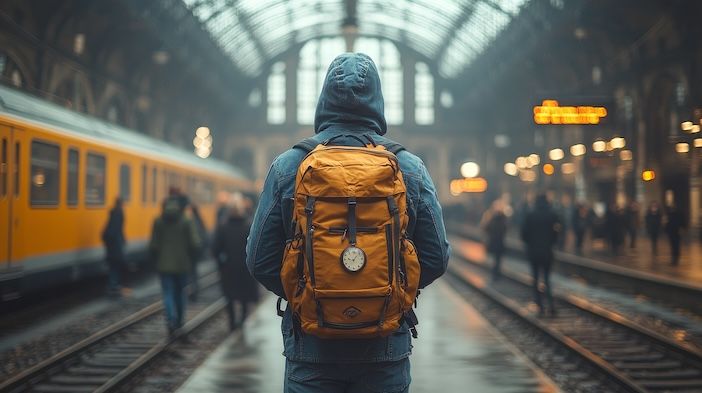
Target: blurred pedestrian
633	221
615	227
654	220
174	244
114	240
673	226
582	219
540	232
222	208
229	250
494	223
200	253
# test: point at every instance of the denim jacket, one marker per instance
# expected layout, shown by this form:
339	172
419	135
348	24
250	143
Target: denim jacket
267	237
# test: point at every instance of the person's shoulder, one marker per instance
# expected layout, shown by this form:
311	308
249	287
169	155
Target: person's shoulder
288	161
409	162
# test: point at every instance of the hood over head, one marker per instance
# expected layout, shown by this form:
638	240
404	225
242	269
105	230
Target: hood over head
351	98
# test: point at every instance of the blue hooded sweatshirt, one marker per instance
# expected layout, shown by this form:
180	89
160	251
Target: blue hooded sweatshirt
351	102
351	99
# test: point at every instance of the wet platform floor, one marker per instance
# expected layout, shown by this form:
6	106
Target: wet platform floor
457	351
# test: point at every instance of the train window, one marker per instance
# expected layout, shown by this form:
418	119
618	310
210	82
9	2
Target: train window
17	169
154	185
44	180
125	189
95	180
144	184
72	186
3	168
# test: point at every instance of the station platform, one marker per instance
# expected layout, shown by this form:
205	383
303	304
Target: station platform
457	348
635	261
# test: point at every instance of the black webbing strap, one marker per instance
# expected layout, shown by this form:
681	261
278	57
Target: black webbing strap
395	213
352	220
393	147
410	318
288	222
278	309
309	210
306	145
370	140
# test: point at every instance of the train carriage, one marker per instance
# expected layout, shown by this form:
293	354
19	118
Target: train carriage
60	172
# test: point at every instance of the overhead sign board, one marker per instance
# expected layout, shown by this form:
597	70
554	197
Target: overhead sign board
549	112
469	185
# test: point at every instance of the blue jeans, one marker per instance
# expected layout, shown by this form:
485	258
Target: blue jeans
173	287
384	377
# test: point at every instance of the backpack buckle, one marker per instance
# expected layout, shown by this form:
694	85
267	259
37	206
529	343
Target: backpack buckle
278	310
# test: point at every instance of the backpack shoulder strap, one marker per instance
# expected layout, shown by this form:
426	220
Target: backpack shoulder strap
393	147
306	145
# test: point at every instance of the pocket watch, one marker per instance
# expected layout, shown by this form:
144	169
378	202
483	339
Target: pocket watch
353	259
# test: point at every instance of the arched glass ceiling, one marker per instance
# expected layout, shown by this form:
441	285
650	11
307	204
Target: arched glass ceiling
451	32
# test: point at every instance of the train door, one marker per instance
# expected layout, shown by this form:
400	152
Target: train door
6	194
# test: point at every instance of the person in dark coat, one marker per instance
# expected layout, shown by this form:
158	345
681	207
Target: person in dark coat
654	220
633	221
540	232
673	226
229	250
113	238
615	224
495	227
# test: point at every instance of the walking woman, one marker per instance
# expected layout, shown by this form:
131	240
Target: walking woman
495	226
229	250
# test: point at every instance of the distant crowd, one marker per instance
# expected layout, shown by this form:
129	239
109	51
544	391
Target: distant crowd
179	240
544	225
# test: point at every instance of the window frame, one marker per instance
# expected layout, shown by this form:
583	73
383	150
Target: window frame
122	166
88	167
144	184
5	167
44	204
154	185
70	202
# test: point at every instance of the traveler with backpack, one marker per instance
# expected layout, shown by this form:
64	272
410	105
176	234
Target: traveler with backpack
347	229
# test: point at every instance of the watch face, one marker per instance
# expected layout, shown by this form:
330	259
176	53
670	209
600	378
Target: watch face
353	259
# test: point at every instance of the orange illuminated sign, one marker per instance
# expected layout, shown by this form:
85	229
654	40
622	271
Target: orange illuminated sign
549	112
470	185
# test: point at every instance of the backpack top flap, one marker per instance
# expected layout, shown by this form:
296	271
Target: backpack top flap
345	171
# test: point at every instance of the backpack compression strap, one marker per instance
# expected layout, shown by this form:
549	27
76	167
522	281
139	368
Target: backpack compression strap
310	144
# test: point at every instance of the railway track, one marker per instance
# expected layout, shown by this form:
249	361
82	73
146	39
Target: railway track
107	359
631	356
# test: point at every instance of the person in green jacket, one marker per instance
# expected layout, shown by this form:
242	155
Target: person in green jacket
174	243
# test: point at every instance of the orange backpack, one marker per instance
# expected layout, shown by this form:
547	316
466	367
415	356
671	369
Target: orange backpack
349	271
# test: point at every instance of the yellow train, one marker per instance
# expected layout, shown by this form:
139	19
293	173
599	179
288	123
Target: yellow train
60	172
